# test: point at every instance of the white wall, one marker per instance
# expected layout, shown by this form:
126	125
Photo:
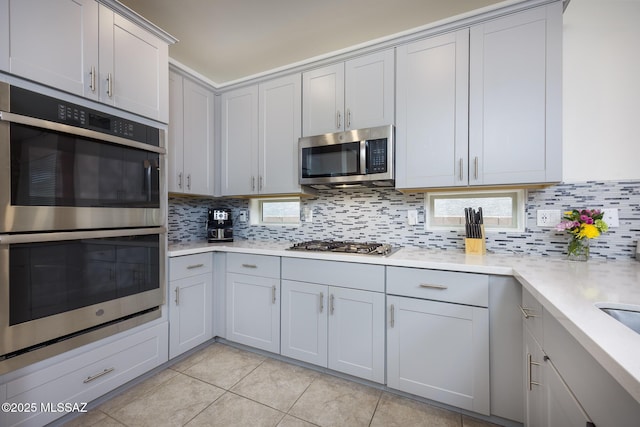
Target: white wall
601	93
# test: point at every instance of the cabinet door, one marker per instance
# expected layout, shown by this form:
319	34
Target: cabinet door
253	311
190	313
4	43
280	127
304	322
323	100
356	333
535	398
133	67
239	163
432	104
369	91
175	143
54	42
439	351
562	407
515	98
198	139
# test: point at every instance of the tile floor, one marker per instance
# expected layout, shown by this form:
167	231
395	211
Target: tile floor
223	386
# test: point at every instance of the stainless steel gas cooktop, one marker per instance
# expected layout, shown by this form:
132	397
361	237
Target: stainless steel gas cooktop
368	248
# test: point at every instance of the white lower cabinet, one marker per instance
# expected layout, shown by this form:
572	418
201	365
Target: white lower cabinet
190	302
85	377
253	300
334	326
439	349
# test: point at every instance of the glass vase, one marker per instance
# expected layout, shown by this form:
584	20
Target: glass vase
578	249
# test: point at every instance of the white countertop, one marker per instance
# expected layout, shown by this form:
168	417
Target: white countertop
568	290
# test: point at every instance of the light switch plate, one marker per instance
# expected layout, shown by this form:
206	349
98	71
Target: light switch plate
547	218
412	217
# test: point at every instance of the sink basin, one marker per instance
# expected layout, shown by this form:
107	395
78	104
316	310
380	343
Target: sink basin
628	315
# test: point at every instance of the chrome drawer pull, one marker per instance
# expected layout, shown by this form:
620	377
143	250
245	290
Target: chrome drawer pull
331	304
177	296
98	375
273	294
392	321
525	312
321	302
531	363
429	286
191	267
249	266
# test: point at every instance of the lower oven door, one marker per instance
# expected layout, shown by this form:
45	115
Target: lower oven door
55	286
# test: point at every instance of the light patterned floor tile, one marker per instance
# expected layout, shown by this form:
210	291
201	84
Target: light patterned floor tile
396	411
276	384
173	403
289	421
225	366
233	410
473	422
198	356
331	401
94	418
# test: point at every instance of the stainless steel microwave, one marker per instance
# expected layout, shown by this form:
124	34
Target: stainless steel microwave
355	158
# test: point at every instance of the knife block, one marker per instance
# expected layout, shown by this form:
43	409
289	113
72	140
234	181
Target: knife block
476	246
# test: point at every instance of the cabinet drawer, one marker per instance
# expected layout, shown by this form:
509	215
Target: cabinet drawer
87	376
190	265
447	286
531	311
255	265
367	277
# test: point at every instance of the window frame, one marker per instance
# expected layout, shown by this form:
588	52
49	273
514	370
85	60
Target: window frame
518	202
256	210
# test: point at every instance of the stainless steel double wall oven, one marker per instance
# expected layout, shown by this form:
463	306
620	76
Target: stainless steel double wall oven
82	235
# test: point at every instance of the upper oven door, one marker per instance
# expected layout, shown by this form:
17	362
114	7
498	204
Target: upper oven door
59	177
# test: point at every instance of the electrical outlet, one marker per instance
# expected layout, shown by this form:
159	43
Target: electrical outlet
610	216
547	218
244	216
308	214
412	217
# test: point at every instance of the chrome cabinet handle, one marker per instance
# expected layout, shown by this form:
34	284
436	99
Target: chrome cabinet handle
189	182
192	266
273	294
253	183
331	303
529	365
249	266
260	183
177	296
180	180
339	120
475	162
429	286
461	166
525	312
98	375
321	302
348	118
92	79
109	85
392	320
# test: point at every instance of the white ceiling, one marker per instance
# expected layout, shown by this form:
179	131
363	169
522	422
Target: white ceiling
228	40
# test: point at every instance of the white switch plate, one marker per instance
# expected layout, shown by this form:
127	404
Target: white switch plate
244	216
547	218
308	214
412	217
610	216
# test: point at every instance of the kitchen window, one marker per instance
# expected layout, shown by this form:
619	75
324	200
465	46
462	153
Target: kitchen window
282	211
502	210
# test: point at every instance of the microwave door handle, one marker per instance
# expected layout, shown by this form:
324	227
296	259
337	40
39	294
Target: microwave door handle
364	151
147	179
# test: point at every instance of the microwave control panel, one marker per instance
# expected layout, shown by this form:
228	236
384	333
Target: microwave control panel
377	156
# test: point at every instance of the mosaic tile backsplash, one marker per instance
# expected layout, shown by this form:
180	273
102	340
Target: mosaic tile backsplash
381	215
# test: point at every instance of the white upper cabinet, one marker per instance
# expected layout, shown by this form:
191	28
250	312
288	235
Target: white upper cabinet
63	52
432	112
515	133
84	48
4	35
190	144
279	131
260	131
356	94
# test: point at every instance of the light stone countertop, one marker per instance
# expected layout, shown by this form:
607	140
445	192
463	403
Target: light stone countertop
568	290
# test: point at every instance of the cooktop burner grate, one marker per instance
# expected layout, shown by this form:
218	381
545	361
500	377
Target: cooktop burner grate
344	247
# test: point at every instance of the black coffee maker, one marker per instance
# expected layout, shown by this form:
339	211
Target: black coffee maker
219	226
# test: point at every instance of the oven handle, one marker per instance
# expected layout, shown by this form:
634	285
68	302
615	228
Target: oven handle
9	239
59	127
